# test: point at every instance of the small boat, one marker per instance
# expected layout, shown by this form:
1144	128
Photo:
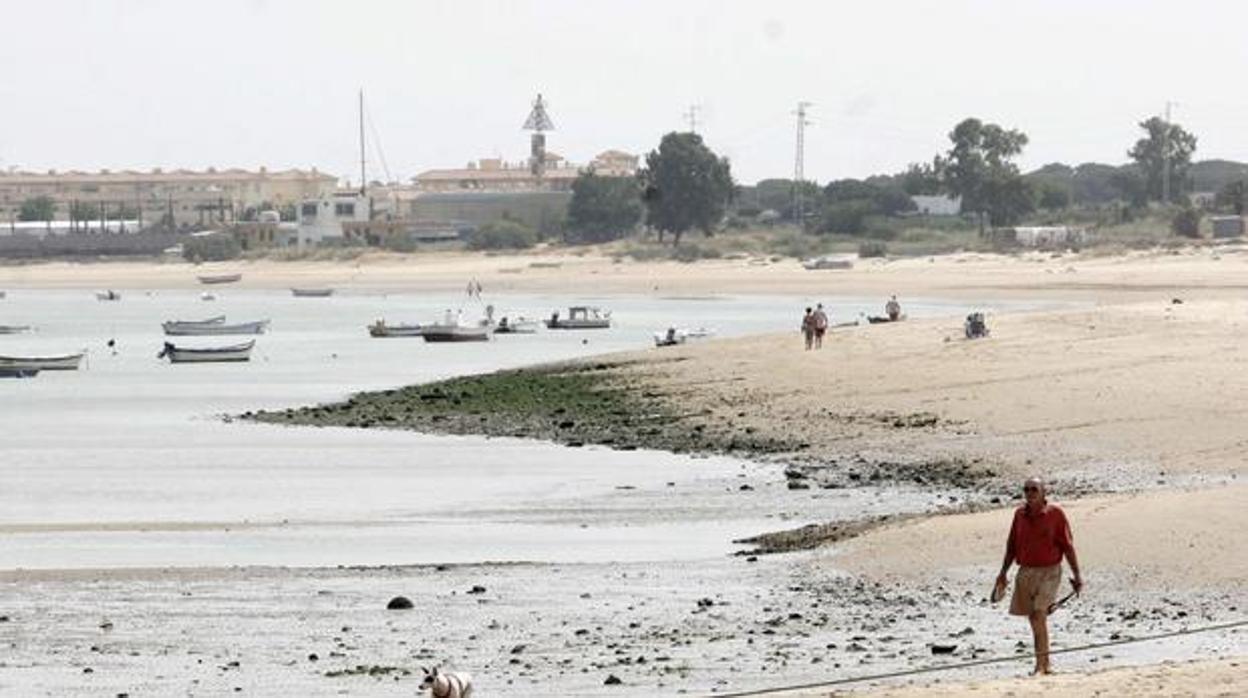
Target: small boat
827	263
580	318
184	355
312	292
219	278
454	329
207	296
516	325
62	362
109	295
175	328
14	329
677	335
381	329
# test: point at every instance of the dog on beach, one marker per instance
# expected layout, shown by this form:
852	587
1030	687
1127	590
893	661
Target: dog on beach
447	684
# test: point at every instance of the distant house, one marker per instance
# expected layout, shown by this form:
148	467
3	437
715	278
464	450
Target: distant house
1041	236
936	205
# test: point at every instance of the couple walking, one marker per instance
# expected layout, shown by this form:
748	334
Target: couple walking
814	326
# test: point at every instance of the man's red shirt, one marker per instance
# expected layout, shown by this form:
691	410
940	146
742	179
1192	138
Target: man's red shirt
1039	539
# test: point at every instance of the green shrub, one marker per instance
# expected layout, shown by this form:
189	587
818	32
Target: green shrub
872	248
217	247
691	253
1186	223
502	235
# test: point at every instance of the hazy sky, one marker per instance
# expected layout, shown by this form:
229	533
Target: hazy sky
231	83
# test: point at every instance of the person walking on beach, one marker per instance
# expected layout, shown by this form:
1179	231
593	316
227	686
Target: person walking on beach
1039	538
808	329
821	325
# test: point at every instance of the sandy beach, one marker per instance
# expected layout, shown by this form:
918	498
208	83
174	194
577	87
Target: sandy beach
1122	385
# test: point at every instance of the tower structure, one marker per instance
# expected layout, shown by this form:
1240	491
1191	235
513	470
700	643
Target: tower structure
799	165
539	123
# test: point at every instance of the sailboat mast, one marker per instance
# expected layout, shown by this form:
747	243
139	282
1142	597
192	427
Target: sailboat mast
363	173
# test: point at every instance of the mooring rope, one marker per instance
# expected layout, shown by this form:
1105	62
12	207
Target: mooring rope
978	662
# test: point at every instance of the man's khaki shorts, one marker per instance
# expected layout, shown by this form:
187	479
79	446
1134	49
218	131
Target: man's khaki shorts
1035	588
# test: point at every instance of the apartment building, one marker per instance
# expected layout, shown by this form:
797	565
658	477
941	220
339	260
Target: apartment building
184	197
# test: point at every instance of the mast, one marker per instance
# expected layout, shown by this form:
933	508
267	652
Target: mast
363	173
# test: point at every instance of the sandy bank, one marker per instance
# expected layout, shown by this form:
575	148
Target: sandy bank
1217	271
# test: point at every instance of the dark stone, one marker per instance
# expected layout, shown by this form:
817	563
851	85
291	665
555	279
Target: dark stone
312	657
943	649
476	589
612	680
399	603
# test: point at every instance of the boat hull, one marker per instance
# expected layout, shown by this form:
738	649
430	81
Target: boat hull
384	330
578	324
64	362
220	278
187	355
211	329
312	292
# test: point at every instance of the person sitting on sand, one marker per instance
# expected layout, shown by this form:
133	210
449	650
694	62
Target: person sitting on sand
1039	538
821	325
808	329
893	309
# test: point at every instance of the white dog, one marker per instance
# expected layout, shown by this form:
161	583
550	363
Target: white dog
447	684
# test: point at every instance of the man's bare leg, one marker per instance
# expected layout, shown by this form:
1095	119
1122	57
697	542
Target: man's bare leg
1040	636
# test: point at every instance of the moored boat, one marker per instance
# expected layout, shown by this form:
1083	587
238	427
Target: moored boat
182	355
219	278
454	329
14	329
109	295
516	325
61	362
674	336
312	292
381	329
179	328
580	317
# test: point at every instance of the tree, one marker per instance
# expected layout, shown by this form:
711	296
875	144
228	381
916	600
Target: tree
920	179
39	208
685	185
1150	153
979	168
1186	222
848	202
603	208
502	235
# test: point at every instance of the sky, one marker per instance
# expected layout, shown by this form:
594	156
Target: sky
136	84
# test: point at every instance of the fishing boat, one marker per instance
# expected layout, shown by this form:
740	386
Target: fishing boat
61	362
516	325
180	328
14	329
454	329
109	295
580	317
381	329
219	278
312	292
184	355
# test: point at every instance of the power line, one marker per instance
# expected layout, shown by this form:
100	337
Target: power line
980	662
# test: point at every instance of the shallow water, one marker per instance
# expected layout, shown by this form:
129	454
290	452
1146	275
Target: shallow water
127	462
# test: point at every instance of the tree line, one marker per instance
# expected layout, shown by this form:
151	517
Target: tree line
685	186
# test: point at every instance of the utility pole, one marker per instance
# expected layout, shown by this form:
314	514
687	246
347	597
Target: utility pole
691	115
1165	154
799	165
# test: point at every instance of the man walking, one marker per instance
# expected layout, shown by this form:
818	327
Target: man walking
1039	538
821	325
